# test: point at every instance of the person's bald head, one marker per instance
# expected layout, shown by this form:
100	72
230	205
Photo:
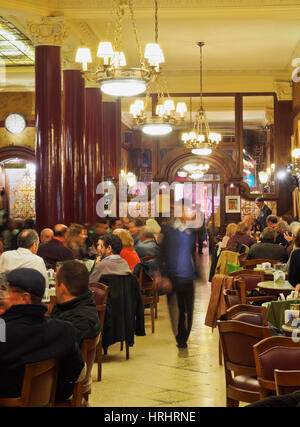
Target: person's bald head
61	232
46	235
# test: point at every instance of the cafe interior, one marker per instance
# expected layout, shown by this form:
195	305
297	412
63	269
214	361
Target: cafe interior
142	91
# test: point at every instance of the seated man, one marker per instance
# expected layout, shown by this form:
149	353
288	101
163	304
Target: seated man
25	256
109	249
272	221
31	337
147	245
134	226
46	235
267	249
55	250
74	300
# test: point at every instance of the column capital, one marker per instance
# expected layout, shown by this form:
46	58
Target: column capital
269	113
47	30
68	59
283	90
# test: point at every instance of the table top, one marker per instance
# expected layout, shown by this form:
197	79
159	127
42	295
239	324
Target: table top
276	285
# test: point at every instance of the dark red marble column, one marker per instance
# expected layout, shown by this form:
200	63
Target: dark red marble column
48	135
74	177
111	139
93	150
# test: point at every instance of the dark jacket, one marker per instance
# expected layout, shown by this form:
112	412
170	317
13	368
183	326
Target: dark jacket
242	238
30	337
268	251
147	248
294	268
263	215
82	313
125	311
176	253
54	251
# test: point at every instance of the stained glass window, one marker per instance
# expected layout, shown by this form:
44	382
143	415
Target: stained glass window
15	47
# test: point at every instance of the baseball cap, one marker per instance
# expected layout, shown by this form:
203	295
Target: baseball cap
28	279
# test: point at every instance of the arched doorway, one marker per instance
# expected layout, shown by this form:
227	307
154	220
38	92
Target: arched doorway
222	170
17	182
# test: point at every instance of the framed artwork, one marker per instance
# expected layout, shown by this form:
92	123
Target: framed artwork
233	204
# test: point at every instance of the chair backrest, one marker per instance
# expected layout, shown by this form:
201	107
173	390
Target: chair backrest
232	297
145	281
251	263
88	351
275	353
39	385
286	382
100	294
246	313
237	340
148	258
250	277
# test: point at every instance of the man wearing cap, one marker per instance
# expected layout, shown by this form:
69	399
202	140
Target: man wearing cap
31	337
264	212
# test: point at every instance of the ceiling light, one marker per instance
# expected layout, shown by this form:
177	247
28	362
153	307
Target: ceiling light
158	129
114	77
162	122
201	140
125	87
205	151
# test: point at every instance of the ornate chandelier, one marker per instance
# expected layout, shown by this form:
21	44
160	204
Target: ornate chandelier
193	171
113	76
201	140
165	117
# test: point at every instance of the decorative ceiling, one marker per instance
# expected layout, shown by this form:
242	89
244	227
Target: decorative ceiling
15	48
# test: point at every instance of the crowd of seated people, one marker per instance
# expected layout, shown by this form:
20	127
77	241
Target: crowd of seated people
34	336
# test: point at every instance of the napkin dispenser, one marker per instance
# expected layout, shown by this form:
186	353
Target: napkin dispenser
279	276
266	265
290	315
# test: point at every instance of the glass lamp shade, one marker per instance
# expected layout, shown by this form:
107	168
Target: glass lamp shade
263	177
160	110
105	51
84	56
296	153
154	54
123	87
205	151
182	174
157	129
169	106
181	108
197	175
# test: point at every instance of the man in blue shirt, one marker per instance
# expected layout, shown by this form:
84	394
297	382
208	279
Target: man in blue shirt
178	266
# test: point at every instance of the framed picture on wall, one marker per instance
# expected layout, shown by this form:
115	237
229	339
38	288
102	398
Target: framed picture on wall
233	204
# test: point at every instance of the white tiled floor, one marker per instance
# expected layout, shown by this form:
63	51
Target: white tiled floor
157	373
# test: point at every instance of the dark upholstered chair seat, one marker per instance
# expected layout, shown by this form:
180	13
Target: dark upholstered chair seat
245	382
252	318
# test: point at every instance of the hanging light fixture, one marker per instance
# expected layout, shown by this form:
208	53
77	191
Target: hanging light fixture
113	76
201	140
164	119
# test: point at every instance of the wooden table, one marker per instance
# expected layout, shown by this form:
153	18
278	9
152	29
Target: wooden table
276	288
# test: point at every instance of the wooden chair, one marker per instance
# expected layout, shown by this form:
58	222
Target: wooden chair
244	285
148	294
155	292
246	313
82	389
237	340
286	382
274	353
100	293
39	385
250	264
